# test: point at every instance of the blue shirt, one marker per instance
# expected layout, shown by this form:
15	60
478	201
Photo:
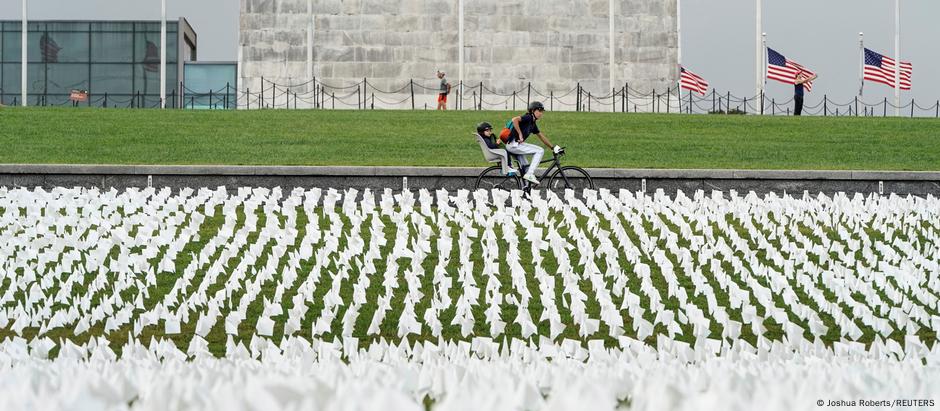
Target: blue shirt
527	126
798	90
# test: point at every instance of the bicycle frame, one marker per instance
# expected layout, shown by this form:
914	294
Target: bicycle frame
555	164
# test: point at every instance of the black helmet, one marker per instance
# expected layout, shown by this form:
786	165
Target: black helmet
483	127
536	105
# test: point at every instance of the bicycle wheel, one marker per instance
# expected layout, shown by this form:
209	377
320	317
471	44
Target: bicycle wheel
570	177
493	179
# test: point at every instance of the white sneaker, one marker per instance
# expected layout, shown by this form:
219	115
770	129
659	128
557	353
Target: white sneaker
512	172
531	178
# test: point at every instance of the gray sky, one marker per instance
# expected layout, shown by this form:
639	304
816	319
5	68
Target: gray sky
718	37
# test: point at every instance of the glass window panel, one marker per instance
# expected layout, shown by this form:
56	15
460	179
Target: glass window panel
148	26
67	26
36	76
65	77
204	77
112	48
11	47
11	78
112	79
112	26
148	47
33	50
63	47
147	78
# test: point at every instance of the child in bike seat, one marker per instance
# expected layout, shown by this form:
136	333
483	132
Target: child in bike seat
491	150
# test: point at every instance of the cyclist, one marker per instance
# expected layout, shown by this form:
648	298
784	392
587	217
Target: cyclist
492	151
518	130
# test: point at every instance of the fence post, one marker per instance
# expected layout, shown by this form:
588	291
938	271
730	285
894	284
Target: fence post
728	103
577	100
372	106
690	101
825	106
589	102
713	99
773	107
475	99
653	102
856	106
273	95
912	108
514	100
106	100
626	97
623	99
481	94
227	91
938	110
613	100
528	96
211	105
411	83
333	97
762	102
192	103
745	105
551	100
719	105
668	95
885	113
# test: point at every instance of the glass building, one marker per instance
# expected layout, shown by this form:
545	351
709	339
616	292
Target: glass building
210	85
116	62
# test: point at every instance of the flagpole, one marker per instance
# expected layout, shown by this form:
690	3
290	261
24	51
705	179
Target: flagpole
23	62
897	57
759	59
611	53
861	66
679	50
163	55
310	44
763	65
679	31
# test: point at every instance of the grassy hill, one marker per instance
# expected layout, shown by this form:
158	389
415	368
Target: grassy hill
427	138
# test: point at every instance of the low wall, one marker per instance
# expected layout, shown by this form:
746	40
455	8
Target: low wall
432	178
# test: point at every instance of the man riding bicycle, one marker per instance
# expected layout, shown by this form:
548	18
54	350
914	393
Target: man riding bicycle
518	131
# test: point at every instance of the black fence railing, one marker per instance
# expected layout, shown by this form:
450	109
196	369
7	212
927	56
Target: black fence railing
414	95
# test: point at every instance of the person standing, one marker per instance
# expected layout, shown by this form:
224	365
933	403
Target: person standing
799	86
444	91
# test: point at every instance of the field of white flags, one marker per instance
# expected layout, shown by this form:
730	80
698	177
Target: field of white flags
323	299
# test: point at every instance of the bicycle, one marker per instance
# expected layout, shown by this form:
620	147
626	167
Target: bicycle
563	177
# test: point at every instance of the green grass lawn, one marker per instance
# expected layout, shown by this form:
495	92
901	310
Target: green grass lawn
428	138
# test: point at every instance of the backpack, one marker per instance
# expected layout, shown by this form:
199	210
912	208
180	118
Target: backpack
504	135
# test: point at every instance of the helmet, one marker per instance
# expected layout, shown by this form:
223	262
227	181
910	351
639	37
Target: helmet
536	105
483	127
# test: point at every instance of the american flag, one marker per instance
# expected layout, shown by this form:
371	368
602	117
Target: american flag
691	81
880	69
785	71
50	49
152	58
